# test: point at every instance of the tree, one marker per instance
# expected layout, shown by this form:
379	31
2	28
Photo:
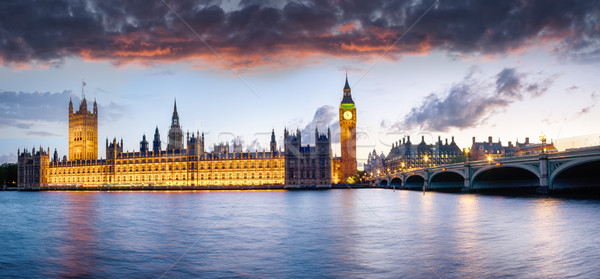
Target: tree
8	174
352	179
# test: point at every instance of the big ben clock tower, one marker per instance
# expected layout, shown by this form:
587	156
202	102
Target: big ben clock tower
348	133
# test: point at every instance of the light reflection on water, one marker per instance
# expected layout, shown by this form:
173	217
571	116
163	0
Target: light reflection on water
335	233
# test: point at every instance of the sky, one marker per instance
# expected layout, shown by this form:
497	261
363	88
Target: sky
463	69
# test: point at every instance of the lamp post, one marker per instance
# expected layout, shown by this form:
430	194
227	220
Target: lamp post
426	159
543	140
466	151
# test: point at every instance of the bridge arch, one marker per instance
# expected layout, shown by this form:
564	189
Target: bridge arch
414	181
451	180
582	173
383	183
396	181
505	176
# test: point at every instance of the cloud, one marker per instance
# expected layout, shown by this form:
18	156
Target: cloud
8	158
20	109
472	100
325	117
42	134
257	33
584	110
23	109
255	146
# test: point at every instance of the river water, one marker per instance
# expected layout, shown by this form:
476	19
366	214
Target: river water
374	233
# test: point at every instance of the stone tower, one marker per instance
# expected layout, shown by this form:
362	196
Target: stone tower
348	133
175	133
83	132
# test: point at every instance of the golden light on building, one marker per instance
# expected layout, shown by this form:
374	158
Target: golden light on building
171	169
83	132
189	166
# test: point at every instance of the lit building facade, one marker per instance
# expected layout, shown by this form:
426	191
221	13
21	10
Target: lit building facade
83	132
175	166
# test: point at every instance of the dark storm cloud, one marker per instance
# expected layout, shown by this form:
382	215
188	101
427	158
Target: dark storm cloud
256	32
22	109
471	101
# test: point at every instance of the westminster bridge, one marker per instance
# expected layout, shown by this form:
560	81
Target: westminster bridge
546	172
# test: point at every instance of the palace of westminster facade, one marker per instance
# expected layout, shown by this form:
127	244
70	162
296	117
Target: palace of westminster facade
189	165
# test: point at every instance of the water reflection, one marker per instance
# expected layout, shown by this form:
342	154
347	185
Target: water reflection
468	243
547	246
336	233
78	246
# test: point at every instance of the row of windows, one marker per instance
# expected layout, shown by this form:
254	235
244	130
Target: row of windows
170	167
159	178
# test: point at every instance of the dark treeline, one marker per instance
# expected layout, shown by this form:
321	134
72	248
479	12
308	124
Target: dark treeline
8	175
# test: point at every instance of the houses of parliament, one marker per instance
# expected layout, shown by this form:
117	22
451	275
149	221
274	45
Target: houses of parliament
185	162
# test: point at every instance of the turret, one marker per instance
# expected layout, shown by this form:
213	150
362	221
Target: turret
273	142
156	145
144	145
95	108
70	105
55	157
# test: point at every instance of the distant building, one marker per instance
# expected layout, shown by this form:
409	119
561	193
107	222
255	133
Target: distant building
404	155
307	165
485	150
491	150
375	163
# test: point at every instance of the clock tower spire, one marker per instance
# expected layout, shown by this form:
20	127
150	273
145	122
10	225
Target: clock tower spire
348	133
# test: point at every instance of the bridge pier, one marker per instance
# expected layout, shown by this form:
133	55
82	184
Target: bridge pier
467	169
544	187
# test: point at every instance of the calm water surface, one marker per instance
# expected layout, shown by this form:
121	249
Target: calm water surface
336	233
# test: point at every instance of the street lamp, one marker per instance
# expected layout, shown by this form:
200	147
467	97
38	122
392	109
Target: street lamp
466	151
543	140
426	159
489	158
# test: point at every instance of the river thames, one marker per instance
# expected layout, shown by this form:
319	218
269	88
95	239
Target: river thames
359	233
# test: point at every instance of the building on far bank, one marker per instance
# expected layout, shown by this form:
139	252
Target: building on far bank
307	165
185	162
405	155
375	163
178	165
491	150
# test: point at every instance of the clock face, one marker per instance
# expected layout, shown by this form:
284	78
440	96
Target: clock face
347	115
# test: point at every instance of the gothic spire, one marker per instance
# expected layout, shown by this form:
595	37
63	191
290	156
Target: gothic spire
175	118
347	86
347	93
